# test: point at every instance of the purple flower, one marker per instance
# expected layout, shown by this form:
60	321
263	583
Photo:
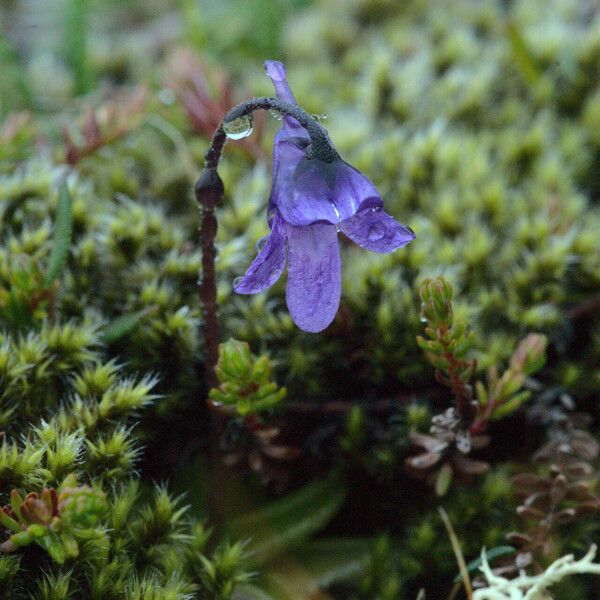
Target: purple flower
311	200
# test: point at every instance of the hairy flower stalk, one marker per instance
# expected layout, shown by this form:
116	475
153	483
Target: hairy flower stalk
315	194
209	191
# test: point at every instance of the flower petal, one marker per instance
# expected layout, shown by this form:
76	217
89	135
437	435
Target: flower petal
288	153
375	230
290	129
276	72
302	197
314	282
321	191
354	191
268	265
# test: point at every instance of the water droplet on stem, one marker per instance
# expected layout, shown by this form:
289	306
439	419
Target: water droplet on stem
238	128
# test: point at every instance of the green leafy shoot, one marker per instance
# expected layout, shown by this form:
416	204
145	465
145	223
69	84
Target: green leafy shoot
245	381
56	520
448	343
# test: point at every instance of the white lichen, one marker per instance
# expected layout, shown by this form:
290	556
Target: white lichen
526	587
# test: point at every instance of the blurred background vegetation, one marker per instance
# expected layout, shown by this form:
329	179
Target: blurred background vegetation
479	122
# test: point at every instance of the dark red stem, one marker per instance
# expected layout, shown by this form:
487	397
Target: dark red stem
460	389
209	191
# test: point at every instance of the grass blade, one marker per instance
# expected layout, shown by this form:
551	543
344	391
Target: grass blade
333	560
63	232
124	325
497	552
289	521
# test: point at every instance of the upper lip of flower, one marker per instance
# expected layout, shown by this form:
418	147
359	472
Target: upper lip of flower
311	199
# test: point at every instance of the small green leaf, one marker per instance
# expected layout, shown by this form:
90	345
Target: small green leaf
9	523
70	545
55	549
481	393
510	405
15	501
21	538
491	555
510	383
63	231
124	325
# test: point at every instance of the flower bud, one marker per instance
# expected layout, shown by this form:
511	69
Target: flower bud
209	188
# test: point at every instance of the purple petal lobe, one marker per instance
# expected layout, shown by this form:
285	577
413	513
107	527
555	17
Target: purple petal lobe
310	190
314	282
276	72
268	265
354	190
302	197
287	151
375	230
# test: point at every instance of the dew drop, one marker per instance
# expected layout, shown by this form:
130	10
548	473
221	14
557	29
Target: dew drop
237	281
376	232
276	114
238	128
